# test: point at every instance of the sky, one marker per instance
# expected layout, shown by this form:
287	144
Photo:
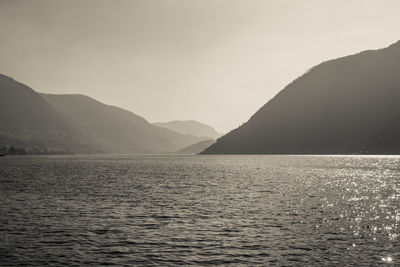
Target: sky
215	61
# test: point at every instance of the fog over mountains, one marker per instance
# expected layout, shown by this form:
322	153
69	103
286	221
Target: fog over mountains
196	148
349	105
116	130
190	127
27	120
78	124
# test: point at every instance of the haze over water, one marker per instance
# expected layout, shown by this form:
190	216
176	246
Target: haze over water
199	210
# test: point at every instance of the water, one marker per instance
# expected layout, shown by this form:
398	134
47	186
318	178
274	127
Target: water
199	210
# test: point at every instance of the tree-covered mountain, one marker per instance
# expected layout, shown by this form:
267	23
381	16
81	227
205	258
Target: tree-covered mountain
42	123
27	120
190	127
347	105
115	130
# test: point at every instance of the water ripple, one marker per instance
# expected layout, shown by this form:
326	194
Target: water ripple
199	210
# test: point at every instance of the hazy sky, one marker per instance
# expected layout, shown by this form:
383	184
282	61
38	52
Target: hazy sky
216	61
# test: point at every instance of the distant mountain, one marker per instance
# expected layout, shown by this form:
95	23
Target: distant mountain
43	123
115	130
27	120
347	105
196	148
190	127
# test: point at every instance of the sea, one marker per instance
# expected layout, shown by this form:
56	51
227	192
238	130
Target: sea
169	210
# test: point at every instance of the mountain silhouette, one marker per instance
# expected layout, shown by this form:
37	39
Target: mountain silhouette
196	148
44	123
190	127
115	130
349	105
27	120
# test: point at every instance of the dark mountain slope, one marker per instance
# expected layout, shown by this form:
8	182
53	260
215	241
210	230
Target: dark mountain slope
26	119
190	127
347	105
115	130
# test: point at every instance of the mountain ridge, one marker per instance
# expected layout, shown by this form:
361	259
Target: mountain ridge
341	106
115	129
76	123
26	119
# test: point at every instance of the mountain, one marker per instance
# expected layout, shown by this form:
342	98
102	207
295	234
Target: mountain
115	130
196	148
349	105
43	123
27	120
190	127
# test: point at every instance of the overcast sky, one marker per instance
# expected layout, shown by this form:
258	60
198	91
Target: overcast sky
216	61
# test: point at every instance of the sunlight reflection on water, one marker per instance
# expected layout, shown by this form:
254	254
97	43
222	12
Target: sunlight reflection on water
201	210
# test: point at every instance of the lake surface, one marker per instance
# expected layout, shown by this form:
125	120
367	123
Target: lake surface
199	210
